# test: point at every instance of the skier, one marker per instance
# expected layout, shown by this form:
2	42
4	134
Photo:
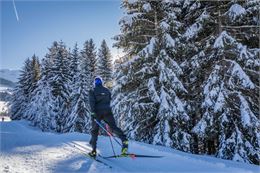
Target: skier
99	100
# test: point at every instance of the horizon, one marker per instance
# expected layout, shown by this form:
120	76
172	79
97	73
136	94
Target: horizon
30	27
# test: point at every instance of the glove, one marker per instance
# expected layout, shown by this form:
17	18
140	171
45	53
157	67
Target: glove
93	115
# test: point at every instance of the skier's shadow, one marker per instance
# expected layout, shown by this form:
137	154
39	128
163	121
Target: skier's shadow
86	163
72	165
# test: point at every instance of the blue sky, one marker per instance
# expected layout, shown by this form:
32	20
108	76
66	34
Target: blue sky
42	22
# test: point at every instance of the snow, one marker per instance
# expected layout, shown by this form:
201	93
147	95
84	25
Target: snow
235	11
200	127
170	41
246	113
223	38
219	103
129	19
195	60
6	89
166	137
5	119
164	97
3	106
177	69
27	149
195	28
147	7
245	54
195	6
210	89
164	25
148	50
238	72
152	90
132	1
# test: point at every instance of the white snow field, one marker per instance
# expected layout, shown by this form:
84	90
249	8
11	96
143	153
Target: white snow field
3	106
26	149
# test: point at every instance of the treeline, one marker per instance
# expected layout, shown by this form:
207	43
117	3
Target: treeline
53	93
190	77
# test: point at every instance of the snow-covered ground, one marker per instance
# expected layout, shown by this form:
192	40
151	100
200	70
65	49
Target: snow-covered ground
28	149
3	106
3	88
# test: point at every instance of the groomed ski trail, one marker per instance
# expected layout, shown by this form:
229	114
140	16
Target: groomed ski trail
26	149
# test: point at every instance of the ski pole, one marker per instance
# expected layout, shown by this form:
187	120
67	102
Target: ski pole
110	140
100	125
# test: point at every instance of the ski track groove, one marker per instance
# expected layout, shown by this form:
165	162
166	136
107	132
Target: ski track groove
86	150
113	162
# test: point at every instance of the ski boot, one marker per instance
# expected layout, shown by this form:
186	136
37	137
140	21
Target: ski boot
124	150
93	153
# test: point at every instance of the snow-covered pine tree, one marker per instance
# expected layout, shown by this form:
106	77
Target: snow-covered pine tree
40	108
103	66
59	86
87	65
88	61
78	119
197	24
21	92
222	66
147	92
25	87
74	59
74	66
36	72
91	53
35	77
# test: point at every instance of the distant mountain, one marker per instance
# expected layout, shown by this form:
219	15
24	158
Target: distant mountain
6	83
10	75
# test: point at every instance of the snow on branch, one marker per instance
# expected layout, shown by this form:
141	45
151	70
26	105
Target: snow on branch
238	72
223	38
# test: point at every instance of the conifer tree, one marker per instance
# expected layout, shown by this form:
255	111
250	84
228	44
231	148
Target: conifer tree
22	92
36	72
88	61
35	77
74	61
40	108
148	91
78	118
104	63
217	64
26	85
59	86
74	64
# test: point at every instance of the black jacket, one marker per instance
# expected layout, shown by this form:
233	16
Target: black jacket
99	99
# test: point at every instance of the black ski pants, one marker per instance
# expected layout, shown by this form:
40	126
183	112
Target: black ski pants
107	116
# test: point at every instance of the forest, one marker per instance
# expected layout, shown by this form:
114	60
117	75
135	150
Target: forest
189	78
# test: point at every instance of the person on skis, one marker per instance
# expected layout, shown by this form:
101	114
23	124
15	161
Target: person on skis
99	100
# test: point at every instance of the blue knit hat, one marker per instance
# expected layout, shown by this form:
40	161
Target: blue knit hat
98	81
